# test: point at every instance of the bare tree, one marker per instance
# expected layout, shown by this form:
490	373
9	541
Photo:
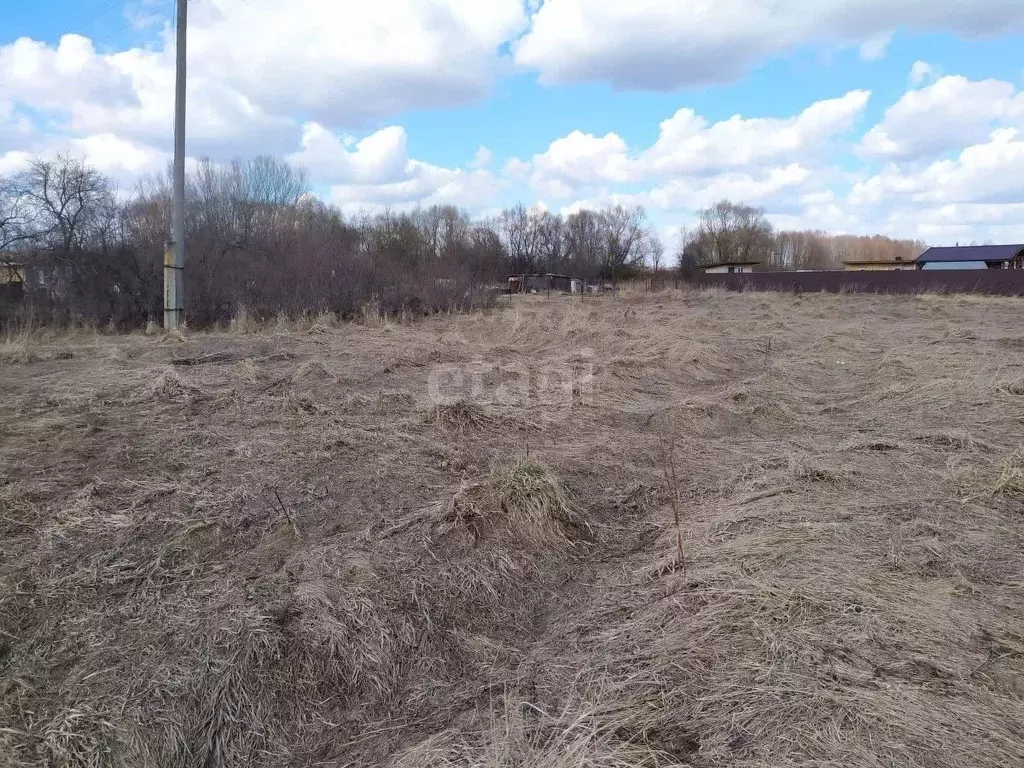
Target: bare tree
551	241
71	205
657	257
520	234
585	243
15	216
628	241
728	231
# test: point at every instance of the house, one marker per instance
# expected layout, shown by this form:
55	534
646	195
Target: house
730	267
898	264
973	257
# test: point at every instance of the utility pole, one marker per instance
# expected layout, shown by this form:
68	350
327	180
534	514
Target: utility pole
174	255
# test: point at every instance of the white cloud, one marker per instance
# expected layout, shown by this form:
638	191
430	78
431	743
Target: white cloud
376	172
14	161
950	113
290	78
516	169
254	65
424	185
51	78
16	130
122	160
344	63
380	158
666	44
772	187
581	159
992	172
482	158
773	164
921	72
777	189
688	145
875	47
130	93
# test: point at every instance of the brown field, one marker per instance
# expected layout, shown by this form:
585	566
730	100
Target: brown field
713	530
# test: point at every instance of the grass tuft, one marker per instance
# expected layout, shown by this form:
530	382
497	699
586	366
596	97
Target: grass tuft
1011	477
534	502
20	350
461	416
311	370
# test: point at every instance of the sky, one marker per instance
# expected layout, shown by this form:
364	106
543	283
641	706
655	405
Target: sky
899	117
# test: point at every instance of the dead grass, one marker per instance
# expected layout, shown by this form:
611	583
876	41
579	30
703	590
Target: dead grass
606	729
266	547
311	370
18	351
535	504
1011	477
461	416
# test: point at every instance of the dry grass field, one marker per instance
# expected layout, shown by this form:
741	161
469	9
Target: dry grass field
684	529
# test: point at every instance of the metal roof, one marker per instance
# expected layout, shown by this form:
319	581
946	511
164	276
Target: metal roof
739	263
971	253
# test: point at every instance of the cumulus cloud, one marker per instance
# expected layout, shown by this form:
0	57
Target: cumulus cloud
516	169
52	77
875	47
123	161
777	164
950	113
322	83
482	158
991	172
424	184
776	188
130	93
688	144
16	130
580	159
14	161
345	63
665	44
376	172
380	158
921	72
779	190
118	158
256	64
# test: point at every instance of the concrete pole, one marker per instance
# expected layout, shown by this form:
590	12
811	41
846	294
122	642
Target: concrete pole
174	256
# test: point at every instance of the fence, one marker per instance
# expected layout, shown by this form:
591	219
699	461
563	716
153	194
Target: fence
998	282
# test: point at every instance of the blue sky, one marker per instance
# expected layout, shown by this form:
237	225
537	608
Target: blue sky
905	118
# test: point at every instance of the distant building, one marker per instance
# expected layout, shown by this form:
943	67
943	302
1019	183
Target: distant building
11	272
543	283
898	264
12	279
973	257
730	267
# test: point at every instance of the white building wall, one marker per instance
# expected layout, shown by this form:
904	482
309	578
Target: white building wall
727	270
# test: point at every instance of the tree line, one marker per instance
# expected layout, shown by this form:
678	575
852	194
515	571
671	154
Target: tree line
733	232
258	238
